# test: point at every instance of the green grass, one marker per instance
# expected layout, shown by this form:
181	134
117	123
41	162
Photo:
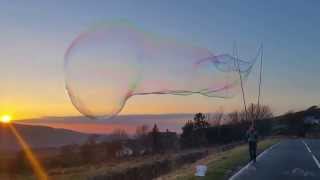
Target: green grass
221	165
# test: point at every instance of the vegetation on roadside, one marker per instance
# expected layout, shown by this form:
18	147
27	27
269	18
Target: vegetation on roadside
220	165
97	157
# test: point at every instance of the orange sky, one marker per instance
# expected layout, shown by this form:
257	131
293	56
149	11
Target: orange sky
34	39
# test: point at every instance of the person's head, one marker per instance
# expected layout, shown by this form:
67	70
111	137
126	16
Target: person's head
252	128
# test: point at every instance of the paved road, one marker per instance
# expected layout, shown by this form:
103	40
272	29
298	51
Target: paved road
288	160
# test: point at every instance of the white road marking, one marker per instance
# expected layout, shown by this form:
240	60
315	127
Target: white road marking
307	147
250	163
313	156
266	151
316	160
240	171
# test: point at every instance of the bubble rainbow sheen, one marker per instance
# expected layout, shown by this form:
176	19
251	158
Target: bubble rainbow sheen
108	64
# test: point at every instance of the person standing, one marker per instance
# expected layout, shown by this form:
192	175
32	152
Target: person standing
252	136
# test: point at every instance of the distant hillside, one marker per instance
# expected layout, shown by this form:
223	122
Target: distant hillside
172	122
39	137
313	111
300	123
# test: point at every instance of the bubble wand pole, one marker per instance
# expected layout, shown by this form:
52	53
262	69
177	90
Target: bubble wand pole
241	82
260	82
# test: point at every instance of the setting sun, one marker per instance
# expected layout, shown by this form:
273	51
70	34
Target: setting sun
6	119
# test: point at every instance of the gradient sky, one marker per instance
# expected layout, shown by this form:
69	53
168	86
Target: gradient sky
35	35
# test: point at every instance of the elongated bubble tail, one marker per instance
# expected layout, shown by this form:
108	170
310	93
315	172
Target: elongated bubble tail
108	64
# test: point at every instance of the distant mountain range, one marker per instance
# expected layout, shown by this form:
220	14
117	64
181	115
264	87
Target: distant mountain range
50	132
58	131
39	137
172	122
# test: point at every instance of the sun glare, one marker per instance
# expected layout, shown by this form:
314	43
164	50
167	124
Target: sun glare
6	119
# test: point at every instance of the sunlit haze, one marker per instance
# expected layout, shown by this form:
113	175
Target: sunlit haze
6	119
159	89
35	36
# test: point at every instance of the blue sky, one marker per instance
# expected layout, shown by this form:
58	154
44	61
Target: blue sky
35	34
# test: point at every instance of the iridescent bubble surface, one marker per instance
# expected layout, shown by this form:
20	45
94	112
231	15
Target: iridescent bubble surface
111	63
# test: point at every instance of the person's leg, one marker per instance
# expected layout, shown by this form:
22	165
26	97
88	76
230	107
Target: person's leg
254	151
251	151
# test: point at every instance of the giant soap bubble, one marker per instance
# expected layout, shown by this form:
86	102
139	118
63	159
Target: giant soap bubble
109	64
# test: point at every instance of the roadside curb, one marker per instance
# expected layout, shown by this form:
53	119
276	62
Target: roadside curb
233	177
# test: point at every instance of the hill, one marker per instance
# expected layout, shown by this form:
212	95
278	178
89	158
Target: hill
39	137
172	122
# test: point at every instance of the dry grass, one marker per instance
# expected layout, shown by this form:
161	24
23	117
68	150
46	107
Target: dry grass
220	165
85	171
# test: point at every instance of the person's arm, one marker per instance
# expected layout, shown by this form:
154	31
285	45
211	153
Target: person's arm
247	136
257	136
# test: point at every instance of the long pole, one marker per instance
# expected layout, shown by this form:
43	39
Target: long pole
260	81
241	83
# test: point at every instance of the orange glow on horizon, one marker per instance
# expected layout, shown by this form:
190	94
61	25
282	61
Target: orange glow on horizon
34	162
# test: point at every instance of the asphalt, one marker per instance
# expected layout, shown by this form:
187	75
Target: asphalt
296	159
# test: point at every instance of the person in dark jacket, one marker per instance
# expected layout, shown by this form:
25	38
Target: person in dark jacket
252	137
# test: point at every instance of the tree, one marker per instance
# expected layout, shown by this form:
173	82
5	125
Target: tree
234	117
143	141
119	135
194	132
142	131
186	138
216	118
155	136
112	148
87	150
256	112
200	122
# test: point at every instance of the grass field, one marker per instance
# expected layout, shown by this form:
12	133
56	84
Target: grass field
220	165
81	172
85	171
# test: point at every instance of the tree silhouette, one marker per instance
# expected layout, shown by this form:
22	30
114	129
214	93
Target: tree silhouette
194	132
200	122
186	138
155	136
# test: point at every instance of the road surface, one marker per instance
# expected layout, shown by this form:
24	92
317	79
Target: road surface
288	160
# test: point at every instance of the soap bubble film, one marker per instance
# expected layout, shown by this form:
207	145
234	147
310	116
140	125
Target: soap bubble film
108	64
